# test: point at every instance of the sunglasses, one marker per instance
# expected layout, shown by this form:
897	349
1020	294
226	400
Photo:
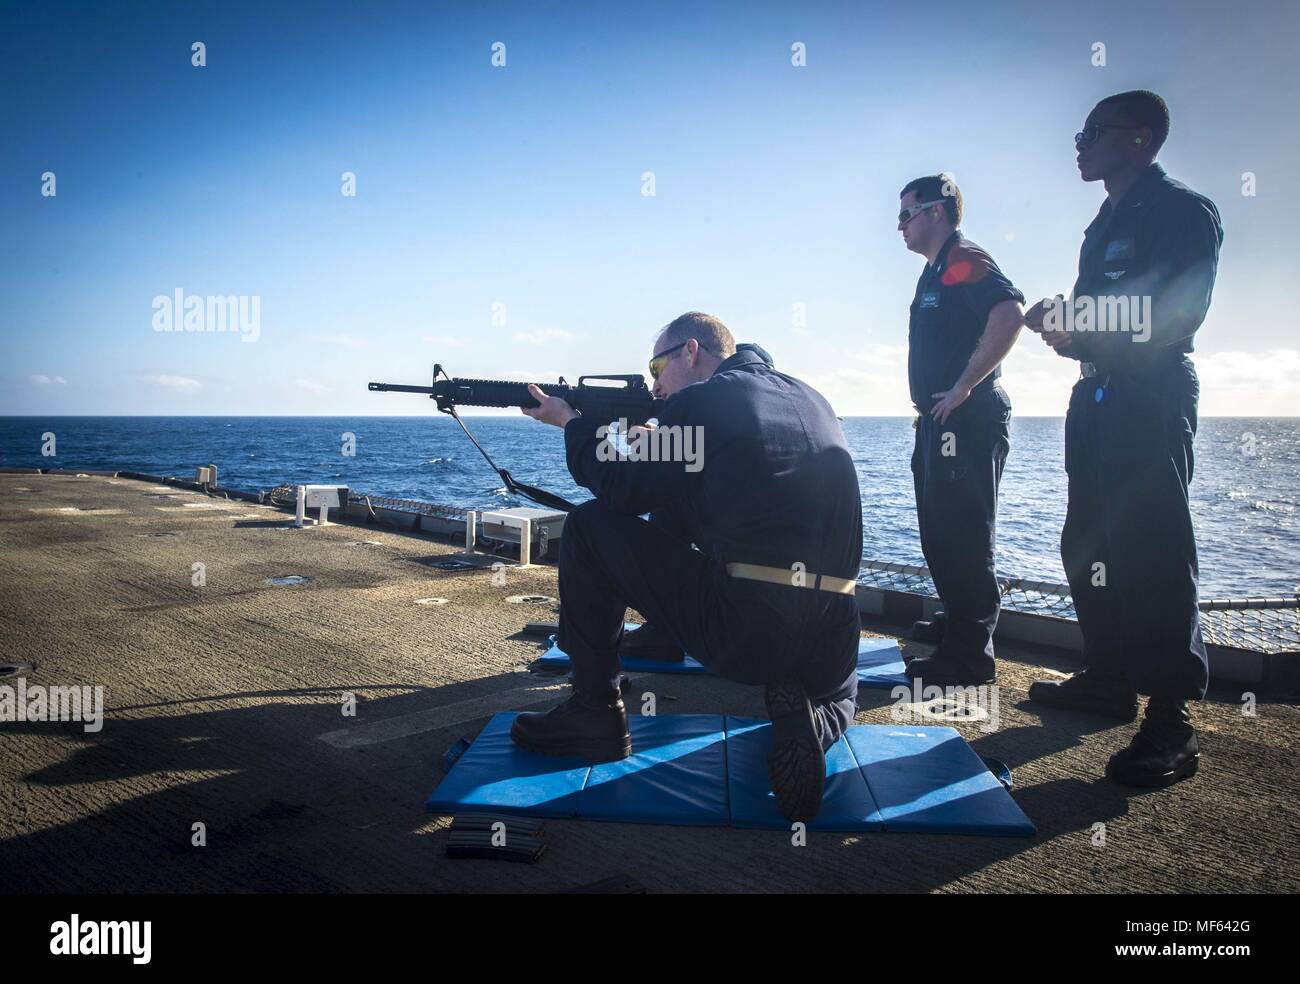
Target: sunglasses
658	362
1090	134
912	211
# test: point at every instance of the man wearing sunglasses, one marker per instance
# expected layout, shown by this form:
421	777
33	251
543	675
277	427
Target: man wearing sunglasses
965	317
766	597
1127	544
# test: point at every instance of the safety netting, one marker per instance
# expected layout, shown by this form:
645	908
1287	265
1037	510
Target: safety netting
1264	625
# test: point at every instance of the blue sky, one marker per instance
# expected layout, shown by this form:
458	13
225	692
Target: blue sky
521	186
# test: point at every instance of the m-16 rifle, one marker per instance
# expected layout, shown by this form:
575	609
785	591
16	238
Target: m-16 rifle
632	402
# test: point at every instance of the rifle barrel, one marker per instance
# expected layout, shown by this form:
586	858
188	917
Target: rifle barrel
399	388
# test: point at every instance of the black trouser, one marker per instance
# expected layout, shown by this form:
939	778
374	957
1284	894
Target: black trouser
1127	545
747	631
956	468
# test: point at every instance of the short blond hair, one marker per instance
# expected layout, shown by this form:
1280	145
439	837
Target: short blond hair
714	337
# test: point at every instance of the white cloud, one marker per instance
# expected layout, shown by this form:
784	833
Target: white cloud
544	336
181	384
1257	384
882	356
1276	370
451	340
1037	379
870	380
310	386
873	380
40	379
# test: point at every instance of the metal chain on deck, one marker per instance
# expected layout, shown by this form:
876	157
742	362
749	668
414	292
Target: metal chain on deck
408	505
287	495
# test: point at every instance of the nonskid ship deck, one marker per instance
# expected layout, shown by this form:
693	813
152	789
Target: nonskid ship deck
225	705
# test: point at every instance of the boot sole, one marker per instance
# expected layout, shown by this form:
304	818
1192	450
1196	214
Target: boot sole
592	752
796	764
942	676
1148	781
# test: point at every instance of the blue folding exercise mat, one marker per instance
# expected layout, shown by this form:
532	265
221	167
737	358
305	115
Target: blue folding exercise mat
676	774
710	770
880	663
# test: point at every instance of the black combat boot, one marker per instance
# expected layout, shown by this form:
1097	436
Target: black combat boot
648	641
796	763
940	671
1163	751
595	731
931	631
1107	694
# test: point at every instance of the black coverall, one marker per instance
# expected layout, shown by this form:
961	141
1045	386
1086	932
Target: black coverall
1128	544
957	465
777	487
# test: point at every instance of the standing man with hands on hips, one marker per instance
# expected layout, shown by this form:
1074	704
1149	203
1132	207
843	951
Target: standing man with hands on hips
964	320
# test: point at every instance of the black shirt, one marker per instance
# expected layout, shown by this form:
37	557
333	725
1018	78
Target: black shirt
777	484
949	312
1159	250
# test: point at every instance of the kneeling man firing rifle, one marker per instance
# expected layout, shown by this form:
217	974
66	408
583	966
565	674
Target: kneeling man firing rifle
748	561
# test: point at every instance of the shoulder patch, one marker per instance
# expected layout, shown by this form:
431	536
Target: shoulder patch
966	264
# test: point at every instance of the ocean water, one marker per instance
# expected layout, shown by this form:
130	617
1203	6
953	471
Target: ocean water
1244	494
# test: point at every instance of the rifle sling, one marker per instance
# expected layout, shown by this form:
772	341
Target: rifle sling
540	496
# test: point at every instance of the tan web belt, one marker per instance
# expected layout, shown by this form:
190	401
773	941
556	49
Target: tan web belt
792	579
